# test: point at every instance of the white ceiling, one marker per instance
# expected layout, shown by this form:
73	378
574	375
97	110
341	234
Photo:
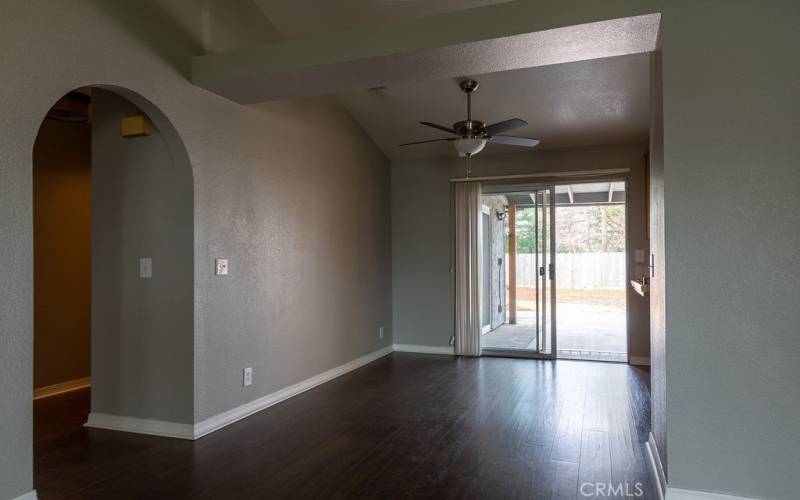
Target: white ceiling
599	101
302	18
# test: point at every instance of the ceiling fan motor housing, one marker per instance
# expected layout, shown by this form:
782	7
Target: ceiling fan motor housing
470	128
469	85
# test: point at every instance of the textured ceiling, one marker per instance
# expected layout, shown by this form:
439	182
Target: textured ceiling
302	18
588	102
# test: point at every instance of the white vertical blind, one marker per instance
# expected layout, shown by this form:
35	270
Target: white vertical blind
467	213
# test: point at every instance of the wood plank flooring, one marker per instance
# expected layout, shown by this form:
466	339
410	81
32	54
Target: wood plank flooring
405	426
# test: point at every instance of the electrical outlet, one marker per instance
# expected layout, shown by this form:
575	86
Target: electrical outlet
380	332
221	267
248	376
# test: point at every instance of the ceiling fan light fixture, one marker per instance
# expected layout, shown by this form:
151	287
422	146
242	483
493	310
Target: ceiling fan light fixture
469	146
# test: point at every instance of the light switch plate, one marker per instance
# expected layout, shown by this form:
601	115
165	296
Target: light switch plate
146	267
221	267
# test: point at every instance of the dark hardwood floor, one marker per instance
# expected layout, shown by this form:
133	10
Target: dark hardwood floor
405	426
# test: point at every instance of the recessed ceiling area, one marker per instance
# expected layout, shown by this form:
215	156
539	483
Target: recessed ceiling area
599	101
303	18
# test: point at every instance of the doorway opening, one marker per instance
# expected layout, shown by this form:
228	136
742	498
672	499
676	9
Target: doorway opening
113	279
520	287
590	236
553	271
62	268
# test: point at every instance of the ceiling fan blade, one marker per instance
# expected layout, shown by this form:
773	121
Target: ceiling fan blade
505	126
440	127
429	140
514	141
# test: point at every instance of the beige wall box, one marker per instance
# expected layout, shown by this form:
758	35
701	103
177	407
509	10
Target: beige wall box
135	126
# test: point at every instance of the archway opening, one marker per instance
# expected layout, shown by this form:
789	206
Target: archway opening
113	277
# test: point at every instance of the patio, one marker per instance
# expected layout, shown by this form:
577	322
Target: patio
585	331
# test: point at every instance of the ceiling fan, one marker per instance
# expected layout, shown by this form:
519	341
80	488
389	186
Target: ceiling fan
474	134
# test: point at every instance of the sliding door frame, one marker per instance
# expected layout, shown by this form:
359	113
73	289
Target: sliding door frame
548	277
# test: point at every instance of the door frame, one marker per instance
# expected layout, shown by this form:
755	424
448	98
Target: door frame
551	277
486	326
525	185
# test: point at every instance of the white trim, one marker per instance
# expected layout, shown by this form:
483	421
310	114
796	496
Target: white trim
140	426
226	418
656	469
189	431
681	494
62	388
31	495
640	360
576	173
424	349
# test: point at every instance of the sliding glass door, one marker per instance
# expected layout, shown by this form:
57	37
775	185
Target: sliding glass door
522	260
545	271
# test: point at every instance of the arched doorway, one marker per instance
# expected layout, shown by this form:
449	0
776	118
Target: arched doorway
113	274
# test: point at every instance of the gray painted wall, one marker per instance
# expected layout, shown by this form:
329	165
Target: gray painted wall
305	224
732	174
422	291
303	216
658	368
142	338
730	130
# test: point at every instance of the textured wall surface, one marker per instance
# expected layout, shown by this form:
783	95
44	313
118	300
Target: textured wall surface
142	338
305	224
731	166
62	252
421	251
658	370
498	285
268	195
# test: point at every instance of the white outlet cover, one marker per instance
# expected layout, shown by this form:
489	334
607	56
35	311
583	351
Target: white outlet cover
221	267
146	267
247	376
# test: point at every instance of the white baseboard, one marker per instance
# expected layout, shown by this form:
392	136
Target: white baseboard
640	360
62	388
189	431
218	421
31	495
656	468
424	349
681	494
140	426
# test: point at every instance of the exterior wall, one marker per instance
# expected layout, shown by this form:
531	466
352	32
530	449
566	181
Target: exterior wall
498	285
